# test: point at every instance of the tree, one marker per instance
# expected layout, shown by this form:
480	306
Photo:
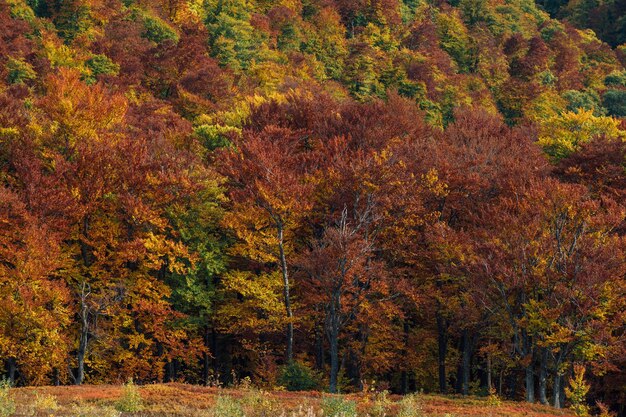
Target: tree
542	262
267	175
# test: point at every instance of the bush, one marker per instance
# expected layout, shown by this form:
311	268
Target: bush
46	402
259	403
298	377
577	391
338	407
226	406
410	406
615	102
7	403
131	399
381	404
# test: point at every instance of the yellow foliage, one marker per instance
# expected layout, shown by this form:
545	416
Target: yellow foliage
563	134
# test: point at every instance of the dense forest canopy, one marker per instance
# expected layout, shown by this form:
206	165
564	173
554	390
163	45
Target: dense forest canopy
334	194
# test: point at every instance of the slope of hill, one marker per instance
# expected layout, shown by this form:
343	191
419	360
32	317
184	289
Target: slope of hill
186	401
412	194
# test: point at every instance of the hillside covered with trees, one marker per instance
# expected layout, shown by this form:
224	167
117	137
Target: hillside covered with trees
318	194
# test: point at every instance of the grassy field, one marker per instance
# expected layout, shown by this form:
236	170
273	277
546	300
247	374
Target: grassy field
189	400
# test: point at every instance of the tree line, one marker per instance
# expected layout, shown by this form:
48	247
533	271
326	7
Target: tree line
206	192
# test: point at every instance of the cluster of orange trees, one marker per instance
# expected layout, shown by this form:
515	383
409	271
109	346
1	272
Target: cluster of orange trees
428	195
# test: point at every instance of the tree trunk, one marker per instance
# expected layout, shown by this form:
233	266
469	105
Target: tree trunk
84	335
11	365
442	340
319	349
543	376
557	401
530	384
334	361
404	377
205	357
333	320
489	377
530	374
465	363
285	272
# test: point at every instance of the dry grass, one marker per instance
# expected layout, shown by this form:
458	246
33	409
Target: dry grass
181	400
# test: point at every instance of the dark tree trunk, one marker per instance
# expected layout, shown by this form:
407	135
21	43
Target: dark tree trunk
84	336
11	365
286	290
557	400
214	347
489	374
529	370
334	360
319	350
442	340
169	372
464	368
404	377
333	320
205	356
530	383
543	376
56	378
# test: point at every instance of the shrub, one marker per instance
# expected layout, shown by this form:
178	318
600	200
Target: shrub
577	391
381	404
298	377
410	406
493	399
226	406
338	407
7	403
46	402
259	403
131	398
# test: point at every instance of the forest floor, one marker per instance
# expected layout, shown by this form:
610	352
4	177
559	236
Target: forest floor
181	400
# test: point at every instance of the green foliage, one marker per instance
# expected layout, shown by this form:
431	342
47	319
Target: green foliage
131	400
7	403
585	100
72	18
260	403
454	39
216	136
157	30
19	71
226	406
337	406
298	377
615	102
410	406
616	79
233	40
100	65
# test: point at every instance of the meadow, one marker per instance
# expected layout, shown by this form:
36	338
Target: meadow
183	400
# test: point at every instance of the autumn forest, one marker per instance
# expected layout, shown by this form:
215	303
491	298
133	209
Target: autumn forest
412	195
